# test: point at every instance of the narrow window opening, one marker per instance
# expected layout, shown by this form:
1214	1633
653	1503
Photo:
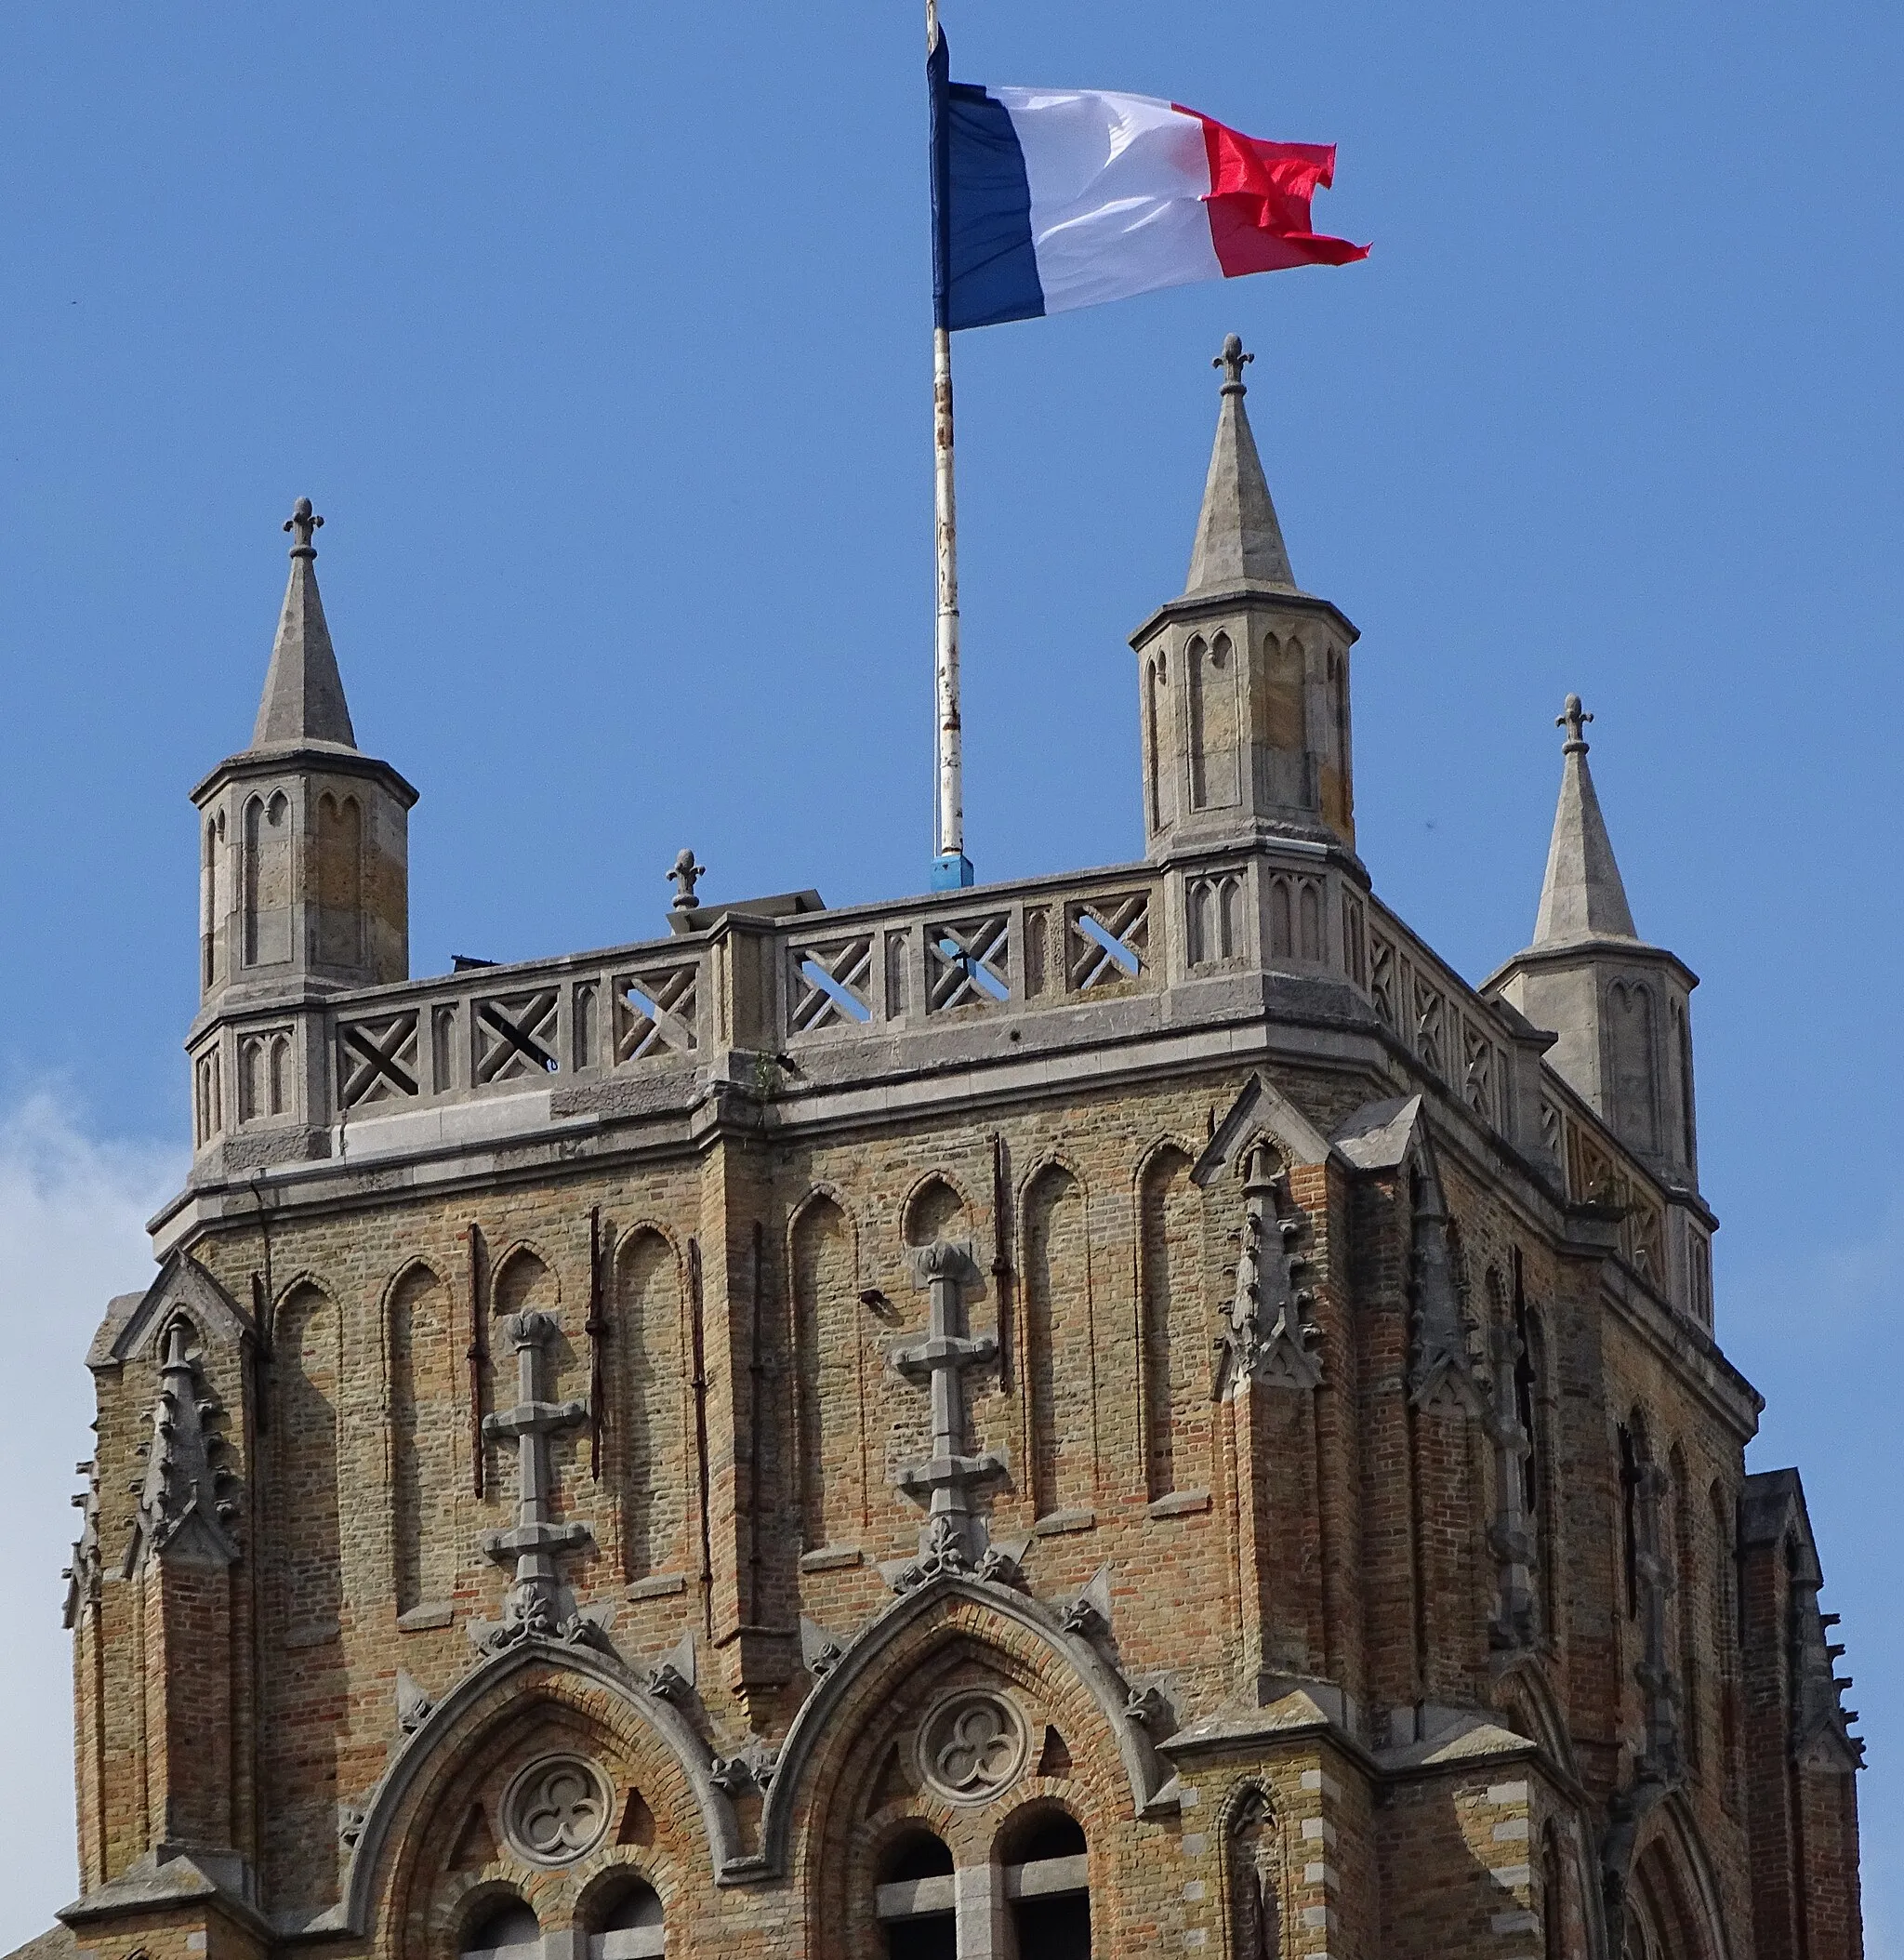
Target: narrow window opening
509	1929
1629	1519
632	1928
915	1900
1047	1885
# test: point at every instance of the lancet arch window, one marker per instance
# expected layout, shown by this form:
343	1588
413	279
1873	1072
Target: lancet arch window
208	906
1214	773
1215	906
339	880
1155	739
264	879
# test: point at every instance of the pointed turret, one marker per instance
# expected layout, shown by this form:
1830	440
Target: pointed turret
1245	676
1620	1007
1581	897
304	877
303	700
1239	543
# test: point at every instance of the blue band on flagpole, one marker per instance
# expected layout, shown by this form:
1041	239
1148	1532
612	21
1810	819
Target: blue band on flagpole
985	269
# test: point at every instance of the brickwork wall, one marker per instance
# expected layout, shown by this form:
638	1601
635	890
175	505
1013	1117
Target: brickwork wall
1333	1540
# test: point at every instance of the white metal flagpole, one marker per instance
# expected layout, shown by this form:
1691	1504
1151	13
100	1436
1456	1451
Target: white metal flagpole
951	867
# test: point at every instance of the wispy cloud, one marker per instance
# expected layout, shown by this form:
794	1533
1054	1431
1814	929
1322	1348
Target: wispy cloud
73	1213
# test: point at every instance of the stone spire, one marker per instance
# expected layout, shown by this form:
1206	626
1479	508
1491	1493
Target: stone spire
303	703
304	890
1582	896
1244	679
1240	543
1620	1009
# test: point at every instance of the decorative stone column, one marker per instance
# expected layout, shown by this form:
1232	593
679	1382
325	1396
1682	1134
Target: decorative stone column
953	1538
539	1605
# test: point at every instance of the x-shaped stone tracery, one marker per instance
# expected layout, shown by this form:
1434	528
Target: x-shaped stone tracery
378	1052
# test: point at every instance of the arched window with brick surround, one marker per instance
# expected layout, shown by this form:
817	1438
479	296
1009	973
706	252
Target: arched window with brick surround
915	1900
628	1925
1046	1872
502	1928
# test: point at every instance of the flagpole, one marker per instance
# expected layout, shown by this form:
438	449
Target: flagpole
951	867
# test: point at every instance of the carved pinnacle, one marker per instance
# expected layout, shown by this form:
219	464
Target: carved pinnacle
686	874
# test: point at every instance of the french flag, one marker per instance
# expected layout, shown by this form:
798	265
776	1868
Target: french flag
1046	199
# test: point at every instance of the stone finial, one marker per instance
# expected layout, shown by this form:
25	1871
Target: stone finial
1268	1337
1574	719
303	521
186	1497
1232	361
686	874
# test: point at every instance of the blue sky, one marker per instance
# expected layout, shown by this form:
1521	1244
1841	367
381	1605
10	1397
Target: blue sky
598	335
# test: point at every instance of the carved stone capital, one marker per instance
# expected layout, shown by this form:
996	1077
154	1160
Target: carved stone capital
950	1259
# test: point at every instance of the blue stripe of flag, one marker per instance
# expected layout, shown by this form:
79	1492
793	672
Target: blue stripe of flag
984	264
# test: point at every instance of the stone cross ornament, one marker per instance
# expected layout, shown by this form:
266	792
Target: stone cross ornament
539	1605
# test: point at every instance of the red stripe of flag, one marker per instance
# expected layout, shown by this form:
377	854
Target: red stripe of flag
1259	202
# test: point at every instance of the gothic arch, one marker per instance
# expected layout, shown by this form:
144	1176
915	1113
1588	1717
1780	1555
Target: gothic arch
1673	1884
417	1263
1542	1433
648	1423
523	1279
1172	1364
1525	1695
421	1354
1687	1567
579	1693
1003	1627
830	1372
917	1208
1572	1924
1255	1875
1215	718
264	881
305	1601
1061	1345
1632	1042
515	1258
340	880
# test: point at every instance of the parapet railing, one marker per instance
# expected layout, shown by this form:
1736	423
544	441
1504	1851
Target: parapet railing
798	981
757	982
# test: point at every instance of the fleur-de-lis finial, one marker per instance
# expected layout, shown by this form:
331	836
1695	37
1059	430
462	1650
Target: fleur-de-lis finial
686	875
1573	718
1232	361
302	522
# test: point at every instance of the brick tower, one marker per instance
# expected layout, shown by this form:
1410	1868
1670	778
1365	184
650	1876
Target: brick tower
1126	1413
